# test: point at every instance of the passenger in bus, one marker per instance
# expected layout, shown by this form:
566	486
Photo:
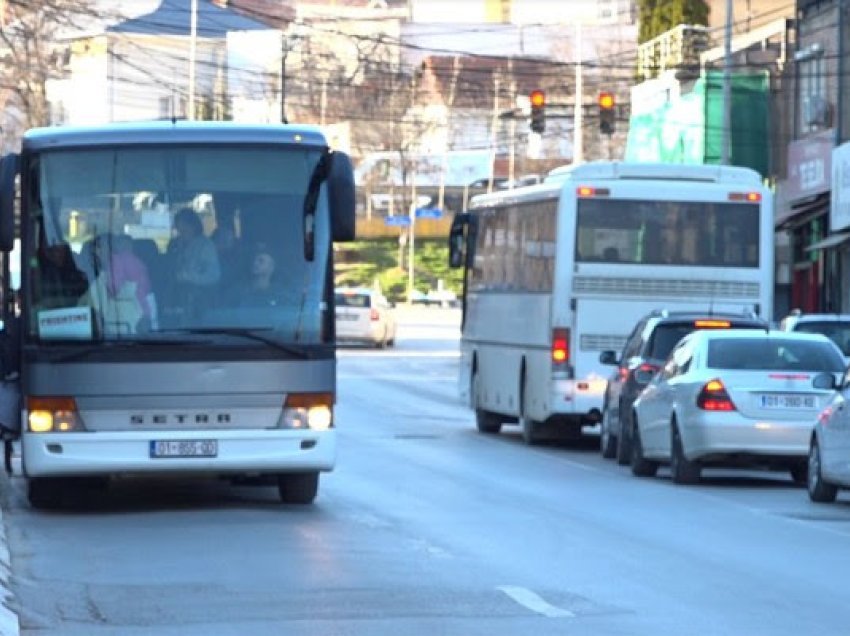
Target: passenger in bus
127	268
611	254
193	260
264	289
59	282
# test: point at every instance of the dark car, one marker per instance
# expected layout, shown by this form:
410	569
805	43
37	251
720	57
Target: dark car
646	349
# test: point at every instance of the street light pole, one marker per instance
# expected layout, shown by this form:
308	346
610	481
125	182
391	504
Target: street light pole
727	87
193	37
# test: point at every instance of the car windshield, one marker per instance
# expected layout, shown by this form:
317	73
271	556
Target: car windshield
775	354
836	330
137	243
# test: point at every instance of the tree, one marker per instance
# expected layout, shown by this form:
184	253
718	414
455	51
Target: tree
657	16
32	53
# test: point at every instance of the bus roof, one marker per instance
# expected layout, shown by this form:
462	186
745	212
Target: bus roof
170	131
597	170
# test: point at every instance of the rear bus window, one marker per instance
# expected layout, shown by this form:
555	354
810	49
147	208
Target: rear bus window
752	354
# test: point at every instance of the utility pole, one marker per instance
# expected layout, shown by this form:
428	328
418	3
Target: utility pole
578	119
451	101
193	38
494	129
727	86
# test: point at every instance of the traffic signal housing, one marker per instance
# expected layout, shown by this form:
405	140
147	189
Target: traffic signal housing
538	111
607	112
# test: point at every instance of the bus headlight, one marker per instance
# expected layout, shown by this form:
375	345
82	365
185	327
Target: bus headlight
52	414
313	411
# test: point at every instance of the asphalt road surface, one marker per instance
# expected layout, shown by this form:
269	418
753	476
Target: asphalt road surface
427	527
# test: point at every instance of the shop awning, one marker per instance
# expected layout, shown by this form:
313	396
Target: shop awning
830	241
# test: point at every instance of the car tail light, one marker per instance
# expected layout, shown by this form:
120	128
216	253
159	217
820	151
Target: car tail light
560	347
624	374
650	368
824	415
714	397
373	315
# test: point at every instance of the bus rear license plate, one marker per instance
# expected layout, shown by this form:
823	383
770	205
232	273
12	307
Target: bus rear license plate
184	448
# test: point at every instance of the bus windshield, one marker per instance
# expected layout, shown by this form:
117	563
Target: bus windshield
703	234
141	242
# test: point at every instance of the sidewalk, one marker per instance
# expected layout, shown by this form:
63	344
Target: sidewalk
8	618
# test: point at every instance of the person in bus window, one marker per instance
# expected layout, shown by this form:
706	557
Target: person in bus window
193	259
60	283
264	289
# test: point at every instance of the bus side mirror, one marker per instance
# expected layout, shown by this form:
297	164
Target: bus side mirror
341	196
8	174
458	240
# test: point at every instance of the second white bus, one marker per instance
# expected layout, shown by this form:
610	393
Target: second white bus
558	272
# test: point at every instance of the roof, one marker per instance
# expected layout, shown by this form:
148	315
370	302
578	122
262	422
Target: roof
167	131
173	17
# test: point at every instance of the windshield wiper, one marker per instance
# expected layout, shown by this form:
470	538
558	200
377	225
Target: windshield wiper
94	346
250	334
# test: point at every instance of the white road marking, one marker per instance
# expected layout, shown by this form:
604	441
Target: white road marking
532	601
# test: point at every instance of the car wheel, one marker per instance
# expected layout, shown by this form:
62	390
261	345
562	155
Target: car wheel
641	466
298	488
607	442
486	421
44	493
624	442
819	490
683	470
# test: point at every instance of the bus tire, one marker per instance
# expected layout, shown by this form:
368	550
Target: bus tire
486	421
44	493
298	488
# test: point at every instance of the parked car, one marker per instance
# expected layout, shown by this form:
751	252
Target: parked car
364	316
829	448
836	327
646	348
734	397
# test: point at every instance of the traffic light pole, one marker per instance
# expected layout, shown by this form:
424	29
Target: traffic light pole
578	137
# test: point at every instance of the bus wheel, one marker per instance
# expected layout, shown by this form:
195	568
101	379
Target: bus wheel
486	421
44	493
530	430
298	488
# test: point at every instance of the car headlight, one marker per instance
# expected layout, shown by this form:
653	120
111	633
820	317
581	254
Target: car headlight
313	411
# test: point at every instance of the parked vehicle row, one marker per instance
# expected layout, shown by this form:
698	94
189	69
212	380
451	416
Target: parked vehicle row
693	392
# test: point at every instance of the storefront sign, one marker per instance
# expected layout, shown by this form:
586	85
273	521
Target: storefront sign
810	165
839	212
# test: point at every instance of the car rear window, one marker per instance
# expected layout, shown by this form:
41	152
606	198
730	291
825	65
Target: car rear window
352	300
837	331
666	335
773	354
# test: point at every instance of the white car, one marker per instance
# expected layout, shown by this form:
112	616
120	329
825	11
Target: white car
734	397
836	327
364	316
829	449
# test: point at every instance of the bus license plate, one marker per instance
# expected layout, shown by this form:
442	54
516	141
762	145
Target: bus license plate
184	448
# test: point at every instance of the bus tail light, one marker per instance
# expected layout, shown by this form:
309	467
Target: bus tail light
53	415
560	348
714	397
313	411
749	197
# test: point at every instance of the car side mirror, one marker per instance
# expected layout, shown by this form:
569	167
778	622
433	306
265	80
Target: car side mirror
824	381
608	357
644	376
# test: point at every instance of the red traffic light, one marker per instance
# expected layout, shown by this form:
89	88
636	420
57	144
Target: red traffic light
606	100
537	98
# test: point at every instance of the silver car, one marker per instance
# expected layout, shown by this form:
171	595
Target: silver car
829	449
735	397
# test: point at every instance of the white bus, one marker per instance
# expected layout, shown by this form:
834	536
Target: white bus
176	310
558	272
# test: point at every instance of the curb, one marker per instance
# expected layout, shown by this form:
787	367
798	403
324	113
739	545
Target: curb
9	624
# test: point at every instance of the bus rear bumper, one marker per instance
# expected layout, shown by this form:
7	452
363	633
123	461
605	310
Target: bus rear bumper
580	398
236	452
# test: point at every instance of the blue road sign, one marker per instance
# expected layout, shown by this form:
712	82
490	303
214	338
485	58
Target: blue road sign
429	213
397	220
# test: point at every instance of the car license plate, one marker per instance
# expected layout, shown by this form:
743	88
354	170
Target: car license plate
184	448
346	316
788	401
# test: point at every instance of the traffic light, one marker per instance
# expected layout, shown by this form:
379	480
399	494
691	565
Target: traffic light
538	111
607	112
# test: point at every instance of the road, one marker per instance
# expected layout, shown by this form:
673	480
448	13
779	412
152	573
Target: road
429	528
